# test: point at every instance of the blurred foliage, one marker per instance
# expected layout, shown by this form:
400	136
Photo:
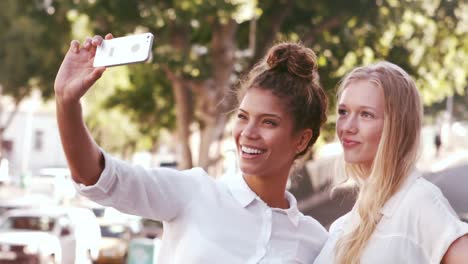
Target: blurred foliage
33	40
428	38
436	111
151	103
112	129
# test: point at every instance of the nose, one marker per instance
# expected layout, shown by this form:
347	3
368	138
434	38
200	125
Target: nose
250	131
348	125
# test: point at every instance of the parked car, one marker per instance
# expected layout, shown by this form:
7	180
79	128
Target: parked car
116	236
24	201
29	247
76	229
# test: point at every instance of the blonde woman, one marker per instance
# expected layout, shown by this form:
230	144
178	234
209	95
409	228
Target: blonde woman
399	217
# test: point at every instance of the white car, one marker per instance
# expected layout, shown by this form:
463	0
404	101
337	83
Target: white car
24	201
76	229
29	247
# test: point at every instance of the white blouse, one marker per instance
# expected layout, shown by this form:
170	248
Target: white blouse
418	225
207	220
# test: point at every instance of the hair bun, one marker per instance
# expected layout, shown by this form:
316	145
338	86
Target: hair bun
295	59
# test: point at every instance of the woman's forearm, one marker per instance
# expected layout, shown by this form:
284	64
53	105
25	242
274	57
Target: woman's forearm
83	155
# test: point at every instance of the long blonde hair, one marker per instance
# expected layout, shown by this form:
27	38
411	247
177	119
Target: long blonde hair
396	155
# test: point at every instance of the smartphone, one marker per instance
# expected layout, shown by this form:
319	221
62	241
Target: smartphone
124	50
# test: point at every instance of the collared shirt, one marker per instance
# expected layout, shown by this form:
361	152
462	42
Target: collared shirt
417	226
207	220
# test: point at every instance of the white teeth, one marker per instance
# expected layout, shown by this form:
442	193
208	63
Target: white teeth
251	150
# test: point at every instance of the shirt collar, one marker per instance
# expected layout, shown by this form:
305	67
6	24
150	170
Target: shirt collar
241	191
392	204
292	212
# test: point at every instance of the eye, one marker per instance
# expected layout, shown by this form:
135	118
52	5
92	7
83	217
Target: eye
367	115
270	122
342	112
241	116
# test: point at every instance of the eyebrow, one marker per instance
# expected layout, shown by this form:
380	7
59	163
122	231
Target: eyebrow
361	107
263	115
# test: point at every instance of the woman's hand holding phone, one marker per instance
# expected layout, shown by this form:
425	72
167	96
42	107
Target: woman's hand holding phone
77	74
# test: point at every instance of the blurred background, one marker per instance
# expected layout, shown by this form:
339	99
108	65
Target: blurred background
175	111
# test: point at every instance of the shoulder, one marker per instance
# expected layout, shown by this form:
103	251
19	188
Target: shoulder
198	173
338	224
312	234
195	174
424	197
312	224
199	177
424	208
430	219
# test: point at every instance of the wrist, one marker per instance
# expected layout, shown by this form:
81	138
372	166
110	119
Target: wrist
63	98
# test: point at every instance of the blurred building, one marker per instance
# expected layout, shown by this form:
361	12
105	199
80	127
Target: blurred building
31	141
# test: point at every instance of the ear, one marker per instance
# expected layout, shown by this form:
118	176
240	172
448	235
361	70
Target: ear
304	138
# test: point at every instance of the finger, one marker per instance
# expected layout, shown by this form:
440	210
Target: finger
109	36
87	43
75	46
97	40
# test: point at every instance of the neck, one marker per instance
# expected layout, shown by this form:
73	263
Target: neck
270	190
366	170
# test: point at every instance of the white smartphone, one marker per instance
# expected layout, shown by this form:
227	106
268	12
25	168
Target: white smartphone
124	50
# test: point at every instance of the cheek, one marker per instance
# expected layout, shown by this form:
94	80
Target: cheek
236	131
374	138
338	128
283	142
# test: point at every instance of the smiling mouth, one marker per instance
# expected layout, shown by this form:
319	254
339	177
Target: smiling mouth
349	143
251	151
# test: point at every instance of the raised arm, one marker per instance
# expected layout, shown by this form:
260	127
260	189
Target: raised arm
75	76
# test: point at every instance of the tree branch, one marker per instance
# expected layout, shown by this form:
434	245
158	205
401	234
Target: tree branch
326	25
275	21
12	114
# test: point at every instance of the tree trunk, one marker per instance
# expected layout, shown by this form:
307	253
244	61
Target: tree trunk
183	121
182	94
7	123
223	51
280	12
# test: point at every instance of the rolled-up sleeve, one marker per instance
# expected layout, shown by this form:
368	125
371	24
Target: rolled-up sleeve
444	227
160	193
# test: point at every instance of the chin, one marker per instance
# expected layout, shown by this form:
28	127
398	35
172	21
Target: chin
247	171
250	170
352	161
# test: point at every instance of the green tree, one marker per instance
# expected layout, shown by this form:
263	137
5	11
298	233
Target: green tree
202	47
32	44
